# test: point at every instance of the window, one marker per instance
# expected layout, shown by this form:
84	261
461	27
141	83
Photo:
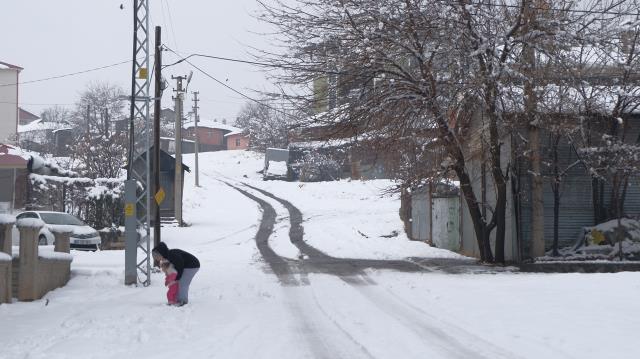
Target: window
237	142
61	218
27	215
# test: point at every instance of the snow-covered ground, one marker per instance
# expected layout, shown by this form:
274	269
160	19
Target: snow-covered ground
239	309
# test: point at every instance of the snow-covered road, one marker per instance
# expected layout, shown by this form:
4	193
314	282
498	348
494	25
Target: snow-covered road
311	271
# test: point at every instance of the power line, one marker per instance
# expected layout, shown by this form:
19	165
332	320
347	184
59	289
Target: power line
355	74
213	78
173	33
262	103
69	74
263	64
37	104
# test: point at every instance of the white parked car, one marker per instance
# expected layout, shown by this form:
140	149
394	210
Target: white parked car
82	237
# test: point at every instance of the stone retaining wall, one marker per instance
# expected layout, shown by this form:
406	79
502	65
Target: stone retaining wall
6	277
30	275
6	267
52	274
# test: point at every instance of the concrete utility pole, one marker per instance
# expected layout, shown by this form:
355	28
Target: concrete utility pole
178	176
156	135
197	143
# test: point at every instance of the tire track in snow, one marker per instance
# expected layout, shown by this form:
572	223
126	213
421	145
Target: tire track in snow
310	326
351	272
348	269
278	265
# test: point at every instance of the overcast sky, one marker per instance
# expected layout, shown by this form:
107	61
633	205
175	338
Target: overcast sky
49	38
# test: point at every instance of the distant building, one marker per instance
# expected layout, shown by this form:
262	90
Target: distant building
13	178
46	136
25	117
211	135
237	140
9	79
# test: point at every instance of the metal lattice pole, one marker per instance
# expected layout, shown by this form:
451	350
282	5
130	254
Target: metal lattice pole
139	155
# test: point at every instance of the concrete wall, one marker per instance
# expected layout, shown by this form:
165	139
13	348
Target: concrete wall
8	105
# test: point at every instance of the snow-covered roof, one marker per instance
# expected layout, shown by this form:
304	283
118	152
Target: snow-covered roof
173	139
40	125
4	66
214	124
25	115
11	155
238	132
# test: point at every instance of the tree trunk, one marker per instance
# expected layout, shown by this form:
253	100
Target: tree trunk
501	189
537	194
479	225
594	200
501	210
555	186
556	217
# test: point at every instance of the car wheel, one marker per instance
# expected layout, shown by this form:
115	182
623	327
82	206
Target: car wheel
42	240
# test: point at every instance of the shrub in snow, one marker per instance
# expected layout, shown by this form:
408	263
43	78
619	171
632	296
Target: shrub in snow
97	201
316	167
602	242
606	233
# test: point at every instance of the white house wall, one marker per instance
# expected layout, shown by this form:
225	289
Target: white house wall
8	105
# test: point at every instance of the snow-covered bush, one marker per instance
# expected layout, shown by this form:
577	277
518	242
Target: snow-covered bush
99	202
316	167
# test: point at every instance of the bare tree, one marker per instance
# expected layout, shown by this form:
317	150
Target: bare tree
266	125
99	150
385	71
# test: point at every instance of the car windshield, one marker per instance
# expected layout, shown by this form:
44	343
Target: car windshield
61	218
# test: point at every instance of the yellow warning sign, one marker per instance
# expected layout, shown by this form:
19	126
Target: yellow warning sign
160	196
129	209
142	74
